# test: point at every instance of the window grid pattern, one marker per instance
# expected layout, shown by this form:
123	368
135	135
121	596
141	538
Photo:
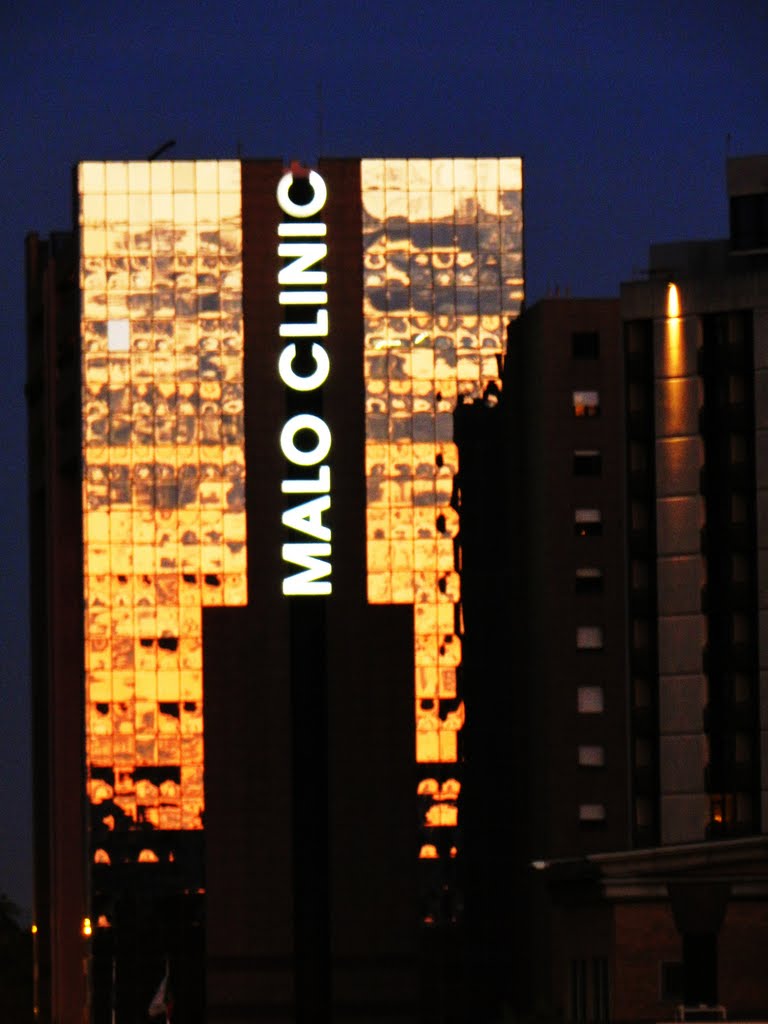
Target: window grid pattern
443	274
163	472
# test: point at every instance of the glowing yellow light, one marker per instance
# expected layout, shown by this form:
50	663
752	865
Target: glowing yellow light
87	927
34	929
673	333
673	301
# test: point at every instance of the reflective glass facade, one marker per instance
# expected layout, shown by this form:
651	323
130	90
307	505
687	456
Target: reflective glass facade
245	796
163	475
163	443
443	275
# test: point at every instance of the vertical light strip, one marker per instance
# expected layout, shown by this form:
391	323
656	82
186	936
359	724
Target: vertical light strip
163	474
443	275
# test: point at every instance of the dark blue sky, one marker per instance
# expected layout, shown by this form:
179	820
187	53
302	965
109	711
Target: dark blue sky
622	113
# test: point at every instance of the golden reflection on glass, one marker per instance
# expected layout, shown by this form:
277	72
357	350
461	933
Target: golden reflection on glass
443	275
163	473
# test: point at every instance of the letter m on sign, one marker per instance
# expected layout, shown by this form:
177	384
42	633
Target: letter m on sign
309	582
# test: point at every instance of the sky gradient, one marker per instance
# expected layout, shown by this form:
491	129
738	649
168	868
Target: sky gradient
624	115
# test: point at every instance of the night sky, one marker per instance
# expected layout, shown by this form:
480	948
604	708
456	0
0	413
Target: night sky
624	115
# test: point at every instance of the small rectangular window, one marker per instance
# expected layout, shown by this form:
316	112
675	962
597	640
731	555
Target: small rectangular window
587	462
585	344
591	756
586	403
590	700
589	580
588	522
591	812
589	638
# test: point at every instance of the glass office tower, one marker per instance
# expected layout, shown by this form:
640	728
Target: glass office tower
187	291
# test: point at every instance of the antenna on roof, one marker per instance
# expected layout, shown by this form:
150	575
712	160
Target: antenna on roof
161	149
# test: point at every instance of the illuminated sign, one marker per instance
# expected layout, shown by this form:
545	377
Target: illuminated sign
303	367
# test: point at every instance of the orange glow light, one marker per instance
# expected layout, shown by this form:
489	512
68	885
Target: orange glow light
87	928
673	301
675	358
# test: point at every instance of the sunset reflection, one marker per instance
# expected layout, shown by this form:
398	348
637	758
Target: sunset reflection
443	274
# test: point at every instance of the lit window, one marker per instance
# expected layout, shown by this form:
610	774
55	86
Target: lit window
586	403
148	857
588	462
428	852
588	522
118	335
589	638
591	757
589	579
101	857
590	700
585	344
591	812
721	811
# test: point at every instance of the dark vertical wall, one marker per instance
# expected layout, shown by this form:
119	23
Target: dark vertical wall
371	735
247	693
53	400
495	847
310	780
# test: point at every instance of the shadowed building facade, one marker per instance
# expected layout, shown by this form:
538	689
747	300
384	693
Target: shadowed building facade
247	711
678	916
614	659
539	493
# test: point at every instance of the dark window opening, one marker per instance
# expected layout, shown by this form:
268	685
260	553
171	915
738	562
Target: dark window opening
587	463
589	580
585	344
